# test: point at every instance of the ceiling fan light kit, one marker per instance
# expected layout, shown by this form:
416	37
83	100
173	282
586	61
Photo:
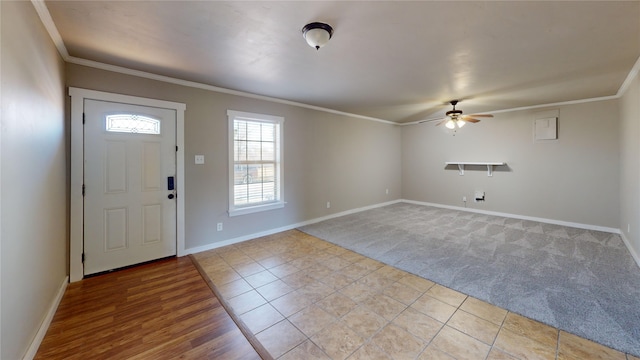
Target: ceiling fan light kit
451	124
317	34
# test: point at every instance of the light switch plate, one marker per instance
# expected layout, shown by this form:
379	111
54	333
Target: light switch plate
199	159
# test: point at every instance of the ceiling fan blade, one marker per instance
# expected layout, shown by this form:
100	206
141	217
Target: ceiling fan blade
479	115
426	120
442	121
469	119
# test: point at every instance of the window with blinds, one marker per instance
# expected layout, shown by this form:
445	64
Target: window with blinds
255	174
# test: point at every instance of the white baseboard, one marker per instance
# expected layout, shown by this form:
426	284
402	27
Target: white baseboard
218	244
353	211
633	253
240	239
520	217
44	326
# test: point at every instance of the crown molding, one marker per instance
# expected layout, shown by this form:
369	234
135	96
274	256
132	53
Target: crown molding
632	74
193	84
47	21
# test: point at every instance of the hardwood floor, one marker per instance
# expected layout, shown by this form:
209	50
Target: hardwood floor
161	310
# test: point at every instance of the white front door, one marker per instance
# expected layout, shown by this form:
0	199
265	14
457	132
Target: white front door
129	179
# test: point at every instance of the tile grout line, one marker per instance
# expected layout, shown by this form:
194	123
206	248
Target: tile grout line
285	318
498	333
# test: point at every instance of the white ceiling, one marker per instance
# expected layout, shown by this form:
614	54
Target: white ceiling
393	60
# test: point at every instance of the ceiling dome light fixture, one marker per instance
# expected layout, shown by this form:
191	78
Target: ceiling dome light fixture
317	34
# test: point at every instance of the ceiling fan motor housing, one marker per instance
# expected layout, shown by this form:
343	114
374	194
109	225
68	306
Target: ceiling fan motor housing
454	113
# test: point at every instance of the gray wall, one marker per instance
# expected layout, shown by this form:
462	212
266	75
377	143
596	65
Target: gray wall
630	165
327	157
573	179
33	220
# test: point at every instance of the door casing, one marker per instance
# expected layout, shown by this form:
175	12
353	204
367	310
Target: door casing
78	95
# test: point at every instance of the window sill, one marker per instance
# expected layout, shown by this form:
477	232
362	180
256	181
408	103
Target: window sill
255	209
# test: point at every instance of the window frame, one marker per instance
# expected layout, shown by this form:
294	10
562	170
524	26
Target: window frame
278	202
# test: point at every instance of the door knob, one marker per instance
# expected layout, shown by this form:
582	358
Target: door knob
171	196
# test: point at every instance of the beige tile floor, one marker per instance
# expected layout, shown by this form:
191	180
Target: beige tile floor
305	298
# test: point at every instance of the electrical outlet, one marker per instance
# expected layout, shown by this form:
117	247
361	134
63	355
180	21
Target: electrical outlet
199	159
328	204
628	228
219	228
387	191
464	199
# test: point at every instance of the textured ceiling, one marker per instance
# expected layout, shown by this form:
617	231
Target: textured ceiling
392	60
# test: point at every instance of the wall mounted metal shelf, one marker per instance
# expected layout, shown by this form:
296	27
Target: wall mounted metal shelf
488	164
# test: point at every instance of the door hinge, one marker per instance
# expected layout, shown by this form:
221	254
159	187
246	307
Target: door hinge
83	118
84	188
82	257
176	148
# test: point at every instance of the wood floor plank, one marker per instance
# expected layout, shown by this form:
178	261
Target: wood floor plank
160	310
228	346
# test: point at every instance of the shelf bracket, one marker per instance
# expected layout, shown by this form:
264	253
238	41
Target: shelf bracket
461	169
489	170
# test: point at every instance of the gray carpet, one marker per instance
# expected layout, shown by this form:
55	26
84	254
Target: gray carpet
581	281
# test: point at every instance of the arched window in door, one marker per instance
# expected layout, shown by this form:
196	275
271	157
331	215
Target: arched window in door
132	123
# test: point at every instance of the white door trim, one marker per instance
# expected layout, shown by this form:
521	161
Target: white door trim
76	270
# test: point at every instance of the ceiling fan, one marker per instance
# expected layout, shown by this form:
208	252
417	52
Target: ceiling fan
455	120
